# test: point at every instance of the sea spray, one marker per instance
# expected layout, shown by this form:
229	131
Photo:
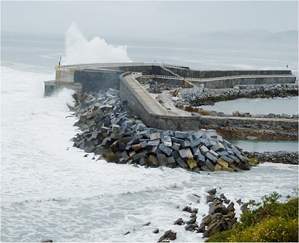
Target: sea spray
78	49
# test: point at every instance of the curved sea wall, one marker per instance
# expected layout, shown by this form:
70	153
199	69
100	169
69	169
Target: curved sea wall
124	76
155	115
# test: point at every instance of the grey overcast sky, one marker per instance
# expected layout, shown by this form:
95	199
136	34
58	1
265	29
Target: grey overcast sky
147	18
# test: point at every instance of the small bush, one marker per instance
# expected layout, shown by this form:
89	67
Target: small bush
270	221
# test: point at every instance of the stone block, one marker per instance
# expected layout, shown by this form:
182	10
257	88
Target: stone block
204	149
181	163
222	163
192	163
154	136
211	157
181	135
166	150
166	140
186	153
176	146
210	165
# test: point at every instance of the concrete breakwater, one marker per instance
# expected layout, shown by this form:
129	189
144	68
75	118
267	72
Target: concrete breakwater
107	129
126	76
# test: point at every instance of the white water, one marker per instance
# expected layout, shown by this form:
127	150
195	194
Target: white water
50	191
80	50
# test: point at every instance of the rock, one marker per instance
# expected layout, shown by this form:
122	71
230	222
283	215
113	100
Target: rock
179	221
212	229
214	153
222	163
218	147
166	150
217	208
186	153
191	227
207	220
136	147
192	163
217	167
146	224
211	157
204	149
193	215
187	209
168	235
176	146
47	241
181	135
181	163
201	228
166	140
210	165
154	136
210	198
153	143
212	191
156	231
191	221
128	232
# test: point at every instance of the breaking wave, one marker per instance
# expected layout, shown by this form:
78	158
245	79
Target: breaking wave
78	49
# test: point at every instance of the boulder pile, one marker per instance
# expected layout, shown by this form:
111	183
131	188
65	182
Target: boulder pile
275	157
221	215
108	130
205	96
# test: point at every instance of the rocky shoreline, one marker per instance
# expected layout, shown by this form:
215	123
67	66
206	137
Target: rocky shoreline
275	157
221	216
107	129
203	96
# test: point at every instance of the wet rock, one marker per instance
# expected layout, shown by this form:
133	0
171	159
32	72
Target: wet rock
168	235
212	191
187	209
191	221
179	221
156	231
191	227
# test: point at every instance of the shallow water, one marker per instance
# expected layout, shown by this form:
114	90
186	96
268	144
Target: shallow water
288	105
267	146
50	191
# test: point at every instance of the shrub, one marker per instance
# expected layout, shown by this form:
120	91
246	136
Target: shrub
269	221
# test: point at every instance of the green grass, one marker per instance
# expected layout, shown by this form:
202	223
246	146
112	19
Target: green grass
271	221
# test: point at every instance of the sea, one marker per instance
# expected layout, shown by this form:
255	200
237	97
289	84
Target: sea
49	190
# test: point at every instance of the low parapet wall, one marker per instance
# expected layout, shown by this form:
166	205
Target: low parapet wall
231	81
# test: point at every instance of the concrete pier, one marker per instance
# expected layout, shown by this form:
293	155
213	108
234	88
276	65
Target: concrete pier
124	76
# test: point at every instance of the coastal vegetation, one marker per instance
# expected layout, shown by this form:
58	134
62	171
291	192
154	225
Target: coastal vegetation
269	221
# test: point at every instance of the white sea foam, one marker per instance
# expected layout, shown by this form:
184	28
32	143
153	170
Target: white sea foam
50	191
78	49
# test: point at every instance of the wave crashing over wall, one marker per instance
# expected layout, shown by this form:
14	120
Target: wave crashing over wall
78	49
